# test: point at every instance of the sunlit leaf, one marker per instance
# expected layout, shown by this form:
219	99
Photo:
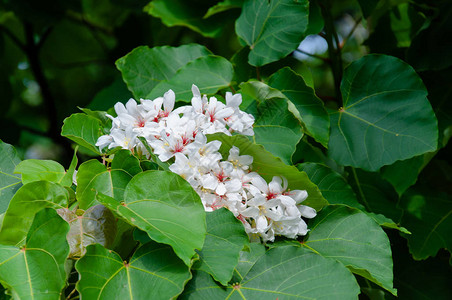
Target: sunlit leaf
272	29
36	170
153	272
282	273
84	130
212	74
27	201
384	118
351	237
143	68
9	182
36	271
225	238
166	207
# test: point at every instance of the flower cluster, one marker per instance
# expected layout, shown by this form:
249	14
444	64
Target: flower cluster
178	135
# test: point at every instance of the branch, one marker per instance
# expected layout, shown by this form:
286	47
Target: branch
13	38
324	59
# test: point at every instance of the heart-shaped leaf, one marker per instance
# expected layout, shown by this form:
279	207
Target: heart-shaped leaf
384	118
143	68
36	271
153	272
272	29
351	237
165	206
83	129
36	169
225	238
9	182
282	273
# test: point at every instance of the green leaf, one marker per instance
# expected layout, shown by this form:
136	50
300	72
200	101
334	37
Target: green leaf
273	118
36	271
163	165
96	225
93	177
84	130
153	272
247	259
125	160
349	236
225	238
182	13
27	201
36	170
282	273
9	182
67	179
268	166
143	68
166	207
428	215
212	74
312	112
223	6
383	118
272	29
367	6
112	94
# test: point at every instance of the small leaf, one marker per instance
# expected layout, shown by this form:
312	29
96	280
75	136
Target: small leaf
312	112
153	272
28	200
96	225
166	207
36	170
67	179
383	118
225	238
143	68
272	29
84	130
9	182
268	166
354	239
36	271
212	74
223	6
282	273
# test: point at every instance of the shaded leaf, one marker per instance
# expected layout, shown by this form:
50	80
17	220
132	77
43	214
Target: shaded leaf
9	182
96	225
384	118
27	201
154	271
268	166
310	108
367	6
38	267
223	6
272	29
166	207
143	68
282	273
212	74
349	236
67	179
225	238
112	94
84	130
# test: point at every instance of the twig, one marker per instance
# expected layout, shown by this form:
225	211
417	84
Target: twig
349	35
327	60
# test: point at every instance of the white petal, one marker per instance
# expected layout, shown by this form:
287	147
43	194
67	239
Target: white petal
307	212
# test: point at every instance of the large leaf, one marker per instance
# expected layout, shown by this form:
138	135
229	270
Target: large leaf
272	29
96	225
183	13
84	130
273	118
351	237
36	271
93	177
143	68
268	166
225	238
282	273
248	257
36	170
9	182
313	114
212	74
167	208
27	201
384	118
428	215
153	272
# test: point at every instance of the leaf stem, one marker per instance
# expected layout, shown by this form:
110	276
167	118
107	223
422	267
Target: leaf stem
361	193
258	74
